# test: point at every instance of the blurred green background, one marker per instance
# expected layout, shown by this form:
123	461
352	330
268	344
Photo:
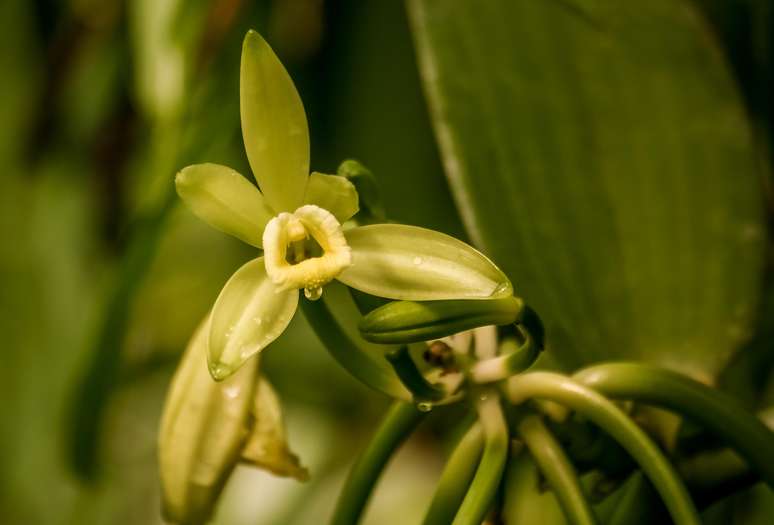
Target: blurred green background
102	102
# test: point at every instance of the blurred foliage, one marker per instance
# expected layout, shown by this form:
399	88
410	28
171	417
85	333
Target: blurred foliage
102	102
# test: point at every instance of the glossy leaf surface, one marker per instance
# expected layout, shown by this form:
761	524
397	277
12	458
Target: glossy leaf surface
600	153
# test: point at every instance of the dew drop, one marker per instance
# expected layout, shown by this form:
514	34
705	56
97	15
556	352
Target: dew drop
417	261
313	293
220	371
258	321
231	392
502	287
424	406
483	397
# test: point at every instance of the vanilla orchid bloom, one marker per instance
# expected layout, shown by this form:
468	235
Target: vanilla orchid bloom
296	219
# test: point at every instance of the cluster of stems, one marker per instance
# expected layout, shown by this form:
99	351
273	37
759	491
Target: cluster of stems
526	416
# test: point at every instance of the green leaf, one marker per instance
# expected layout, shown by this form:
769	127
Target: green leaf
203	429
248	315
600	152
267	446
225	200
406	262
274	125
333	193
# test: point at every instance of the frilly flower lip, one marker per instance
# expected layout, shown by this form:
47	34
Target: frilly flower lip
301	223
287	242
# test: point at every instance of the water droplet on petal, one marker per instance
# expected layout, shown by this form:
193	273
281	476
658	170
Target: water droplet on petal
424	406
257	320
220	371
313	293
502	287
417	261
231	392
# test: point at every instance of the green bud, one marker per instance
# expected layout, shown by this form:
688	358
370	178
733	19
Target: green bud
203	428
207	427
402	322
371	208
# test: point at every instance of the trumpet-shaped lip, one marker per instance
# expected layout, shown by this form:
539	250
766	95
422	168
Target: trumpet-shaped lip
314	272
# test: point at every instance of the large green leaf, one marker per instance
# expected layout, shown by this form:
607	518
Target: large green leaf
600	154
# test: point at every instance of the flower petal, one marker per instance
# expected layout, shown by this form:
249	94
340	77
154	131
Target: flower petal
267	446
406	262
203	429
250	313
225	200
274	125
333	193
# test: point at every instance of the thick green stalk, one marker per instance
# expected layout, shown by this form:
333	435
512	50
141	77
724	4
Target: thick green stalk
557	469
348	354
716	411
456	478
484	486
568	392
400	421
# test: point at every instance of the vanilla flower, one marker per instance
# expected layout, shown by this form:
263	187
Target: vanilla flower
296	218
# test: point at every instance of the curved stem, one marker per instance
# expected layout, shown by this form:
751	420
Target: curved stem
554	465
412	378
707	406
456	477
489	472
400	421
341	347
566	391
507	364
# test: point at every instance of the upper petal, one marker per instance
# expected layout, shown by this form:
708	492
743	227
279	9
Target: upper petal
274	125
225	200
407	262
250	313
333	193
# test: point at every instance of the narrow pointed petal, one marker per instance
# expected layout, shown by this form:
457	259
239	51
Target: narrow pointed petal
333	193
267	445
203	430
416	264
250	313
225	200
274	125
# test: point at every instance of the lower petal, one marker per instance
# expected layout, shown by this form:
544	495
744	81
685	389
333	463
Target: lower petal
249	314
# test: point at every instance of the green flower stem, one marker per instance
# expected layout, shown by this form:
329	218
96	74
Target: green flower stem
456	478
400	421
412	378
506	365
347	353
487	478
709	407
568	392
556	467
